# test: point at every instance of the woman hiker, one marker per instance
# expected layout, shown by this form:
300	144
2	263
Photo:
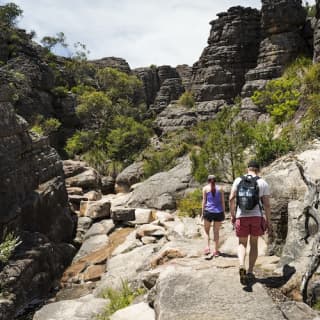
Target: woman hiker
213	208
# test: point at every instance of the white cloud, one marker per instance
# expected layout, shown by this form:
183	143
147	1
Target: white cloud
143	32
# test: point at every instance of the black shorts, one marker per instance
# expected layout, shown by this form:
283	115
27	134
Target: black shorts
213	216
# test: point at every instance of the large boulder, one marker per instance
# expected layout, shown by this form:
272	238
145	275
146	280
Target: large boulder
87	307
289	198
126	267
162	190
129	176
141	311
88	180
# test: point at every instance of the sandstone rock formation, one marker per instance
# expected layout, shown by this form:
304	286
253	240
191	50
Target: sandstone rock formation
175	117
231	52
316	56
294	232
163	84
282	24
33	201
112	62
150	81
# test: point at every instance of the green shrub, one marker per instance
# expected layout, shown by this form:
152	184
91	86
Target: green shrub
9	243
46	126
95	109
223	141
191	205
187	100
117	84
80	142
280	98
311	80
163	160
126	139
311	119
60	91
119	299
266	147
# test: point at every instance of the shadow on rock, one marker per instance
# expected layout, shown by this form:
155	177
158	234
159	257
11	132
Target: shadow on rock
273	281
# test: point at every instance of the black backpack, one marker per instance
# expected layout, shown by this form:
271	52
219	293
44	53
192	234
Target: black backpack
248	192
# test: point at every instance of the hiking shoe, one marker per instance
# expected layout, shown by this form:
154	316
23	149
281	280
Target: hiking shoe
206	251
243	276
216	254
250	277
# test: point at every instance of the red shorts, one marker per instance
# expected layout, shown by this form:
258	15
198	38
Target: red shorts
246	226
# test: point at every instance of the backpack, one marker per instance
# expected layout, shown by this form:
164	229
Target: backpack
248	192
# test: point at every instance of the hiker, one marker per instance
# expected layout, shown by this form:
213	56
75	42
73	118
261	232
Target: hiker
249	195
213	208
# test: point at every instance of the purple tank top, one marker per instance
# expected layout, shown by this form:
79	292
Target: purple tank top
213	203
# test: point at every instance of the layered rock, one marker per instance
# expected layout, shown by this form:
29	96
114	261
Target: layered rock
33	199
163	84
33	80
290	196
112	62
232	50
171	89
150	81
175	117
282	24
316	56
185	73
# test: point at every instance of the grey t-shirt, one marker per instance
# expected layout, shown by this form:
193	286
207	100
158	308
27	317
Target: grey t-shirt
263	191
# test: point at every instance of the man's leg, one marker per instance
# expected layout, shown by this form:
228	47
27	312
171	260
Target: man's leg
253	254
242	250
207	225
242	255
216	230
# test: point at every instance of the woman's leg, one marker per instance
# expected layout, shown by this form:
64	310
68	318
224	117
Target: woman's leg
207	225
216	230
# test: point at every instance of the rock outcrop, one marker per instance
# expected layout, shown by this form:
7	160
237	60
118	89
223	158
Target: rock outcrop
150	81
316	44
282	24
163	84
33	201
33	80
112	62
175	117
231	52
289	200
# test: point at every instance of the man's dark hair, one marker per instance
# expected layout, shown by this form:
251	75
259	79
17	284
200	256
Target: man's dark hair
254	164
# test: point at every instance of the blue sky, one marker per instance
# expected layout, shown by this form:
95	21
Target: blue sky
143	32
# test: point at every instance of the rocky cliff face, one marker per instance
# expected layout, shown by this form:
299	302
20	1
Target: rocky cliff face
34	204
33	77
163	84
282	24
232	51
316	56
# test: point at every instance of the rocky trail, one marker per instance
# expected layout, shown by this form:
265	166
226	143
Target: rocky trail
180	282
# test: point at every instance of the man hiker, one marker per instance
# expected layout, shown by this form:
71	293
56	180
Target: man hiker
249	196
